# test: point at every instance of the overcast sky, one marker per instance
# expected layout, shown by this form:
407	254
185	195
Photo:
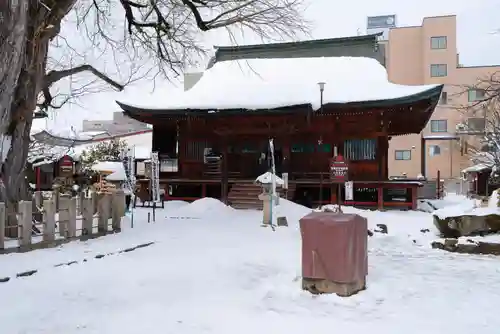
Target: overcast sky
477	44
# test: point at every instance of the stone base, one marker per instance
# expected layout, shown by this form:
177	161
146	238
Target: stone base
320	286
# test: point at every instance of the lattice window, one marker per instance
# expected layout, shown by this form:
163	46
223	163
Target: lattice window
360	149
194	150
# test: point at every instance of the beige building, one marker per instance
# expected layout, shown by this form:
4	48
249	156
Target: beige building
427	54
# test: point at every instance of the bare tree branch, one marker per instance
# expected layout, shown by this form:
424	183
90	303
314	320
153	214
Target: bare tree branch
168	30
54	76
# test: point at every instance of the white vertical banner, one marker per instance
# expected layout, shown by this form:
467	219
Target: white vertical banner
131	168
128	159
349	191
155	177
284	176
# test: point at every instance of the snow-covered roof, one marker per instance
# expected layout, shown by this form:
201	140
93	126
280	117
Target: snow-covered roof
267	178
476	168
273	83
117	176
445	136
109	166
63	138
41	153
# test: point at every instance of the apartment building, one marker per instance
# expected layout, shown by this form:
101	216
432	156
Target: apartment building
427	54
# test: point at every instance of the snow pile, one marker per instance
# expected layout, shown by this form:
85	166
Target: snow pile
273	83
465	209
493	200
267	178
290	210
206	206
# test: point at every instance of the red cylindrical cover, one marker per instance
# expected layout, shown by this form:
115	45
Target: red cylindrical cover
334	246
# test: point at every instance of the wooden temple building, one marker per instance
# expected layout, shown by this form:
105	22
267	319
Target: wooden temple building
316	99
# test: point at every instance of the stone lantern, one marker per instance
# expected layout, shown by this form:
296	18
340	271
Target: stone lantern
269	200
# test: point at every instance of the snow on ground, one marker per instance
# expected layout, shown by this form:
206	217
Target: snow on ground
220	272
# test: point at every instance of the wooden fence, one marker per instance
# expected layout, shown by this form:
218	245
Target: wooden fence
48	222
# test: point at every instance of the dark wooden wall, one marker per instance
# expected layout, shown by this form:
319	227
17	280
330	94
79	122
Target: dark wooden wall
306	142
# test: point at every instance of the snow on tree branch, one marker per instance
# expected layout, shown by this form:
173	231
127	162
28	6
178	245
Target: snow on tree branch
482	120
103	151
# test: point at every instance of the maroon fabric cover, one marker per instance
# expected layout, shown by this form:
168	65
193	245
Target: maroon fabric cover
334	246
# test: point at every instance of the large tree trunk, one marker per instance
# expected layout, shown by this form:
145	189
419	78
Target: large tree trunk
26	28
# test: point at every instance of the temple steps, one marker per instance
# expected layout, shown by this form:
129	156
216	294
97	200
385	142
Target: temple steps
245	196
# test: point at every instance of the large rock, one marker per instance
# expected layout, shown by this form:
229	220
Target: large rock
467	225
452	245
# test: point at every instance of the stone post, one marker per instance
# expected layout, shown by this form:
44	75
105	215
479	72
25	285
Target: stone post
25	223
103	214
72	213
64	201
55	196
38	199
49	218
87	217
118	210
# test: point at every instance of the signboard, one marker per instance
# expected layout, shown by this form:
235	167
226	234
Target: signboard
349	191
66	166
155	177
382	21
380	24
339	169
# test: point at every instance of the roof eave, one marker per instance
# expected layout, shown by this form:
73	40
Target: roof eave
134	112
349	40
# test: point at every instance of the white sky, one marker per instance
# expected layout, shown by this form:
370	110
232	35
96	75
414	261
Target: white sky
331	18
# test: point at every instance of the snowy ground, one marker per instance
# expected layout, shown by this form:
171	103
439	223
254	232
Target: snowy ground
220	272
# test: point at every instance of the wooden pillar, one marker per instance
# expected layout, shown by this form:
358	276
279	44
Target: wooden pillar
224	172
423	153
380	198
382	149
382	157
414	196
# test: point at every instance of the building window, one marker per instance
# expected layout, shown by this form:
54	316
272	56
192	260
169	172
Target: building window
402	155
476	94
439	70
438	42
439	125
360	149
476	124
434	150
444	98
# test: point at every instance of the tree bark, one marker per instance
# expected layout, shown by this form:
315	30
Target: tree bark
25	32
